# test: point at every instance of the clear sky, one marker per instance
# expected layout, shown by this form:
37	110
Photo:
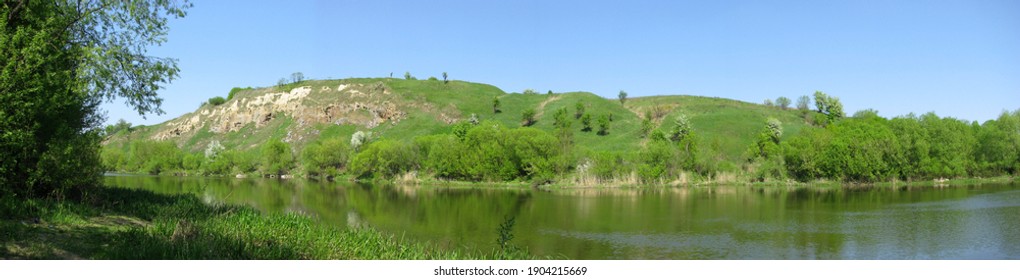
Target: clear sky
956	58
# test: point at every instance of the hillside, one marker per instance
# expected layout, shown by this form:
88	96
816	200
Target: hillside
402	109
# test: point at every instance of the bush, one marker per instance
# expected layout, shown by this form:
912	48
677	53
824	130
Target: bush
603	123
586	123
217	101
277	159
383	159
325	157
528	117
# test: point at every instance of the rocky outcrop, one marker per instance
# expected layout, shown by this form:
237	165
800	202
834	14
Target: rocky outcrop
366	105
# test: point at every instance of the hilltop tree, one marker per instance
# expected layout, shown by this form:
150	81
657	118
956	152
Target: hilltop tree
297	77
445	78
60	61
829	105
282	82
495	105
783	102
623	97
768	102
802	102
407	76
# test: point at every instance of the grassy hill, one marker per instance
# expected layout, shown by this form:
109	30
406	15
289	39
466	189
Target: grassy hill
399	109
431	106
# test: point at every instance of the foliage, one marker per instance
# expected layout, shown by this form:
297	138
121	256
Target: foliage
586	122
383	159
297	77
528	117
235	90
681	128
578	109
60	61
603	123
829	105
445	78
530	91
783	102
495	105
803	102
217	101
121	125
489	152
768	102
326	157
276	157
360	138
646	127
622	97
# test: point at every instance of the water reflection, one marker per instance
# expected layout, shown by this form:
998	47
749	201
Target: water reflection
662	223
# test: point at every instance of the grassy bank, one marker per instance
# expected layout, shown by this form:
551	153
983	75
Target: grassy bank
114	223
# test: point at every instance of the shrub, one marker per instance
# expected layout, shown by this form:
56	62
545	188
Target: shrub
528	117
578	110
603	123
217	101
586	122
325	157
383	159
277	159
360	138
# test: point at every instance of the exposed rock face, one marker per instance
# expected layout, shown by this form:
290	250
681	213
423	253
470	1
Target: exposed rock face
367	105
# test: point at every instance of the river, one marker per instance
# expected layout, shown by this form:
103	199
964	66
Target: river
739	222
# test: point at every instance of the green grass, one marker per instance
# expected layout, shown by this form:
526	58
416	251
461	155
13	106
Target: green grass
726	127
116	223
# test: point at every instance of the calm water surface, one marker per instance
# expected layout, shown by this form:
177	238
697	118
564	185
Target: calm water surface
972	222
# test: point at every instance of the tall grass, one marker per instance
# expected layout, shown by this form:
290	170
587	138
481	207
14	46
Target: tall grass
119	223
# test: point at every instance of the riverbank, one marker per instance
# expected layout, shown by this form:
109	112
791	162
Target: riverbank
116	223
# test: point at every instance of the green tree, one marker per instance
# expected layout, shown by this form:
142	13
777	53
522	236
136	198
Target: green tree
783	102
445	80
803	102
297	77
623	97
829	105
603	123
60	60
528	117
121	125
277	159
681	128
578	109
325	157
586	122
495	105
407	76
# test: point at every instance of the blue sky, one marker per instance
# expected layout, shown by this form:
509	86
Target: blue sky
956	58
